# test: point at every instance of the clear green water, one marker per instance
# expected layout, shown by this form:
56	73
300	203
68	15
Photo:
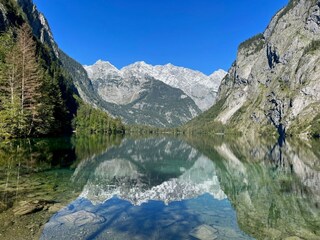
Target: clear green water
159	188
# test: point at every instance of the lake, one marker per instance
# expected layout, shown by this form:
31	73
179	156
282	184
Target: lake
159	187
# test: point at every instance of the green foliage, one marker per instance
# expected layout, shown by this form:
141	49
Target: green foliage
312	47
36	154
92	121
144	129
21	80
205	123
256	41
238	115
307	124
315	127
291	5
58	91
87	146
36	95
208	124
141	130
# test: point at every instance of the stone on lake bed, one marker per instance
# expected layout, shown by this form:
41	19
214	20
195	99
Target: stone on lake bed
55	208
80	218
204	232
25	207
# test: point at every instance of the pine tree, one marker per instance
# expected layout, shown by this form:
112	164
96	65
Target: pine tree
9	87
36	94
31	77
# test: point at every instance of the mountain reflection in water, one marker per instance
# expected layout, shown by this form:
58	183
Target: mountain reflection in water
157	188
196	188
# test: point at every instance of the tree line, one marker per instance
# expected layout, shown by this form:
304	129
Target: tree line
91	120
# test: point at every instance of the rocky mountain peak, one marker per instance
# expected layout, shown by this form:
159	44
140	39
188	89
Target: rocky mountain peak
202	89
220	73
139	69
101	69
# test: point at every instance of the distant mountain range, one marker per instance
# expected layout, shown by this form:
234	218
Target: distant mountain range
200	88
164	96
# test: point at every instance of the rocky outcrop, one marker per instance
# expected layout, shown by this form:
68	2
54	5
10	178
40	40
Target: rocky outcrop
39	24
275	81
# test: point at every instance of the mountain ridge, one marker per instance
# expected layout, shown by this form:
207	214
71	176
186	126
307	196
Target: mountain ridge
201	88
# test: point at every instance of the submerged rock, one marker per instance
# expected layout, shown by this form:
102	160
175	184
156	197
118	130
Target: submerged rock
204	232
81	218
55	208
25	207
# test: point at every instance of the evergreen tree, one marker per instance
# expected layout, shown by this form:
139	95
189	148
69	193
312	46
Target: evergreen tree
10	117
22	106
31	78
91	120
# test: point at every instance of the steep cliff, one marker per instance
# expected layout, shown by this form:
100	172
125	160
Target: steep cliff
39	24
273	86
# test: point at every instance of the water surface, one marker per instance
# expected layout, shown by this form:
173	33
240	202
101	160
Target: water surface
160	188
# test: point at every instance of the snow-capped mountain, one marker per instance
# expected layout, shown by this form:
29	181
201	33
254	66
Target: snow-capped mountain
202	89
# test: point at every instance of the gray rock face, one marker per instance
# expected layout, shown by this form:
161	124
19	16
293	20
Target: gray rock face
109	80
39	24
149	95
276	77
3	18
147	101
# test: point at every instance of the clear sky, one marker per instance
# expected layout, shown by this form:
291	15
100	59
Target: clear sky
198	34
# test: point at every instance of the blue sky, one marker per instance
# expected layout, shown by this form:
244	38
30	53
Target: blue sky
198	34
